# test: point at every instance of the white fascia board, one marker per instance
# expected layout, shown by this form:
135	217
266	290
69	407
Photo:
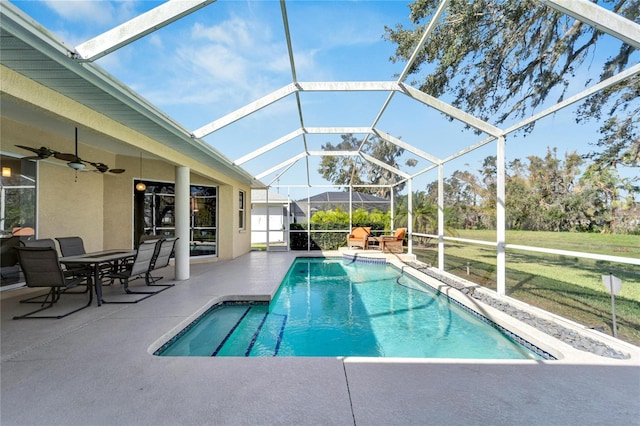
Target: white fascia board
281	165
406	146
137	27
336	130
600	18
348	86
245	111
268	147
384	165
451	111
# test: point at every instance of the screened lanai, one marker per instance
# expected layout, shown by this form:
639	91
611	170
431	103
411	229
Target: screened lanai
260	97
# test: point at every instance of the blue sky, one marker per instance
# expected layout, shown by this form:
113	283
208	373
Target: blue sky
231	53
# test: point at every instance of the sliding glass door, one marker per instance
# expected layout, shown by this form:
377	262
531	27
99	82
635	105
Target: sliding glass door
155	215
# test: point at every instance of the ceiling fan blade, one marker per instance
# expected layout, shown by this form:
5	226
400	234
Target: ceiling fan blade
65	156
101	167
28	148
117	171
42	152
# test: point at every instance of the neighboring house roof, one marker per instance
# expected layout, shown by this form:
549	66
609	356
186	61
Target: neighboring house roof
343	197
259	196
332	199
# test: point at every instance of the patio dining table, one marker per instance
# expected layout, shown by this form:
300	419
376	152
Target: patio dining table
96	260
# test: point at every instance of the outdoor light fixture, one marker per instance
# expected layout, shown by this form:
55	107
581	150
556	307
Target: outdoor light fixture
140	186
6	172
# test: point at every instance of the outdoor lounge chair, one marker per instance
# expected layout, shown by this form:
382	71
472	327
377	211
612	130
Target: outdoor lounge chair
41	268
138	268
392	243
359	237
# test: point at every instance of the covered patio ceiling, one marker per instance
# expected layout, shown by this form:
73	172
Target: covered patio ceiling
31	50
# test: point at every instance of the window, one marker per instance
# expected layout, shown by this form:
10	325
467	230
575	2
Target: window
154	213
17	212
241	210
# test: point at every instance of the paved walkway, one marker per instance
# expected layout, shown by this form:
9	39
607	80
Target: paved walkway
94	368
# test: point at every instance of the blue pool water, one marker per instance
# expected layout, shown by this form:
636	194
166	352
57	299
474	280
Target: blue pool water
335	307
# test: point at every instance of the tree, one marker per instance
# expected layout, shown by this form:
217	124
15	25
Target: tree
502	59
350	170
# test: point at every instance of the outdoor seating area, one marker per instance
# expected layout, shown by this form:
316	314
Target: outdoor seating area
361	237
42	267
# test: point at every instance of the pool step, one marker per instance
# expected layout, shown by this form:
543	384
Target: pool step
269	338
258	332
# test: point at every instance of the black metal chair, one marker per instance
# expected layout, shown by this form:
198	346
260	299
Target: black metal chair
74	246
41	268
49	243
43	243
137	269
71	246
162	256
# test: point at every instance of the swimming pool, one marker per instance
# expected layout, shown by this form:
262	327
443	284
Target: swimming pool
337	307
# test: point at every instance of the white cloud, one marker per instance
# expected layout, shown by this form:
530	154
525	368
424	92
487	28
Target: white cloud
98	12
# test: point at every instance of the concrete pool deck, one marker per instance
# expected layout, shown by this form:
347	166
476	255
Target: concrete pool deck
94	368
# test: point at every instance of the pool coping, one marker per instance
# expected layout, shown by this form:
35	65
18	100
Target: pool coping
516	329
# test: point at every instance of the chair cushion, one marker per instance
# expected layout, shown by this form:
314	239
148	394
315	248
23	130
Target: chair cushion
400	232
360	232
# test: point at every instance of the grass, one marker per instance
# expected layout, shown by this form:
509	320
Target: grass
565	285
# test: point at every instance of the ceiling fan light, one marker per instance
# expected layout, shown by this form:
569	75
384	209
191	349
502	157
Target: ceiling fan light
75	165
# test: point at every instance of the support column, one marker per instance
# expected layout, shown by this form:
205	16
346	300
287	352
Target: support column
410	216
268	217
183	213
393	214
350	208
441	217
501	275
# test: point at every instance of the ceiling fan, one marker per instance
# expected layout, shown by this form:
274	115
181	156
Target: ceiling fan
43	153
72	160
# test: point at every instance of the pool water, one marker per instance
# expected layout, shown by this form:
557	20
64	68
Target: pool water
335	307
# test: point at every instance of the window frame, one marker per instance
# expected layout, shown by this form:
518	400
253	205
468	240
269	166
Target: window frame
242	211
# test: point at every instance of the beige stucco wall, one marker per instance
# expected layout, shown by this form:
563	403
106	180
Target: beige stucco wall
69	207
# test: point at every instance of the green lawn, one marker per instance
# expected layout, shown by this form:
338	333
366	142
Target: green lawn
564	285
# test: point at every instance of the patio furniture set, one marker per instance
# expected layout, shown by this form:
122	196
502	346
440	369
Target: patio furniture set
361	237
42	267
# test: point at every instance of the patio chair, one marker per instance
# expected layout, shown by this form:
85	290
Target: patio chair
41	268
392	243
74	246
138	268
359	237
42	243
161	258
71	246
82	272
